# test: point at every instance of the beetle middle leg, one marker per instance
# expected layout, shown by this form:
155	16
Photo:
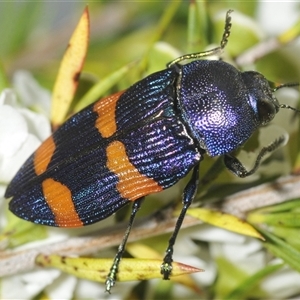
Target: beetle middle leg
187	198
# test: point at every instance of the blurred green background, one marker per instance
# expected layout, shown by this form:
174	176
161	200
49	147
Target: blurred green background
34	35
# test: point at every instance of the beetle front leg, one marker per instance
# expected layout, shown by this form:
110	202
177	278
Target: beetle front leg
236	167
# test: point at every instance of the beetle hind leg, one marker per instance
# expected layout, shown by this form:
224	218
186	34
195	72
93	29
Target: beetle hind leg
112	275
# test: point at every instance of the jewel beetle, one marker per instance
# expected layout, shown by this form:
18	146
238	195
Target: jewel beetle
143	140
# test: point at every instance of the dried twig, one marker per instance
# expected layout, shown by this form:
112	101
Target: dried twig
283	189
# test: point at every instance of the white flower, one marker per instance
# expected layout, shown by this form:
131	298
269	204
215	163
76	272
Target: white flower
27	285
21	131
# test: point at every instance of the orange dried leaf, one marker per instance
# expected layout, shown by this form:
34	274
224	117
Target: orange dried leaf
69	72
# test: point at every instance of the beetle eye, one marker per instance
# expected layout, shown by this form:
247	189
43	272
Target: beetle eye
266	110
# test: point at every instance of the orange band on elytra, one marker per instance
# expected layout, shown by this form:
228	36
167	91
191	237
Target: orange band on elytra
132	184
106	110
43	156
59	199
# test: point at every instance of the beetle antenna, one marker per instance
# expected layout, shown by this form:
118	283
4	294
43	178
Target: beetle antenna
289	107
227	28
292	84
215	51
280	86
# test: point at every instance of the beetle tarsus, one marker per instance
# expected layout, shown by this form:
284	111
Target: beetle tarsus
166	269
109	283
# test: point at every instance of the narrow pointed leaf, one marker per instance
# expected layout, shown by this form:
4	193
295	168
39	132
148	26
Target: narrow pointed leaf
3	78
103	86
140	250
289	234
69	71
282	249
251	282
290	34
280	207
97	269
225	221
160	29
287	219
18	232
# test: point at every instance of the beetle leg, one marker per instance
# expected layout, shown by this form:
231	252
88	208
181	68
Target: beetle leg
187	198
236	167
112	275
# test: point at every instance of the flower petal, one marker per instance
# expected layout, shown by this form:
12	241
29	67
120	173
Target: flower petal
10	165
31	93
27	285
13	131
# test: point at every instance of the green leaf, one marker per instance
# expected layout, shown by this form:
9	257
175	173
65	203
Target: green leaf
292	205
282	249
229	276
251	283
102	87
18	232
3	78
197	31
284	214
290	235
284	219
